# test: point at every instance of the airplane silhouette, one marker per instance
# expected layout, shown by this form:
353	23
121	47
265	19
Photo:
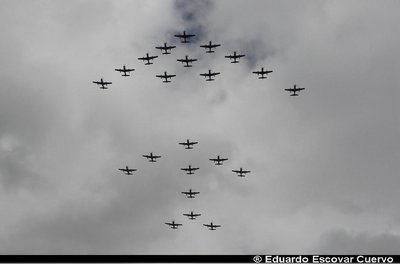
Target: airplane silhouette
127	171
262	72
188	144
189	170
218	160
192	216
151	157
241	172
148	59
173	225
103	84
294	90
211	226
165	48
234	57
190	194
124	71
166	76
210	46
209	75
185	38
187	61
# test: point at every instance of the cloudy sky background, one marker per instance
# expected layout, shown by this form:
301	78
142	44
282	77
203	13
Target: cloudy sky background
325	165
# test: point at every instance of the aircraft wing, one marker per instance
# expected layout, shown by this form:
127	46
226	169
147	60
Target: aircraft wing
229	56
170	76
240	55
119	70
96	82
106	83
290	89
257	72
142	58
299	89
205	74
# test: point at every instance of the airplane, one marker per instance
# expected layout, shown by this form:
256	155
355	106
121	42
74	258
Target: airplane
187	61
190	194
188	144
218	160
166	76
262	72
184	37
192	216
125	71
294	90
148	59
210	46
165	48
211	226
173	225
189	170
127	171
103	84
151	157
209	75
234	57
241	172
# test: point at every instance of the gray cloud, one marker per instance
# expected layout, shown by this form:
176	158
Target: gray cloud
324	165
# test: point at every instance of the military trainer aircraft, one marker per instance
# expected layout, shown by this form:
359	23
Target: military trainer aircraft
187	61
185	38
218	160
234	57
188	144
241	172
103	84
151	157
192	216
190	194
165	48
294	90
189	170
210	46
209	75
173	225
127	171
211	226
262	72
148	59
166	76
124	71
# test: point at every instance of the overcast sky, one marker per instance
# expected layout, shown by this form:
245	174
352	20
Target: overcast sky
324	165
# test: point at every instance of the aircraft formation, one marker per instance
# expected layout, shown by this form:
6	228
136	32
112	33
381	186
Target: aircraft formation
209	47
191	193
166	77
